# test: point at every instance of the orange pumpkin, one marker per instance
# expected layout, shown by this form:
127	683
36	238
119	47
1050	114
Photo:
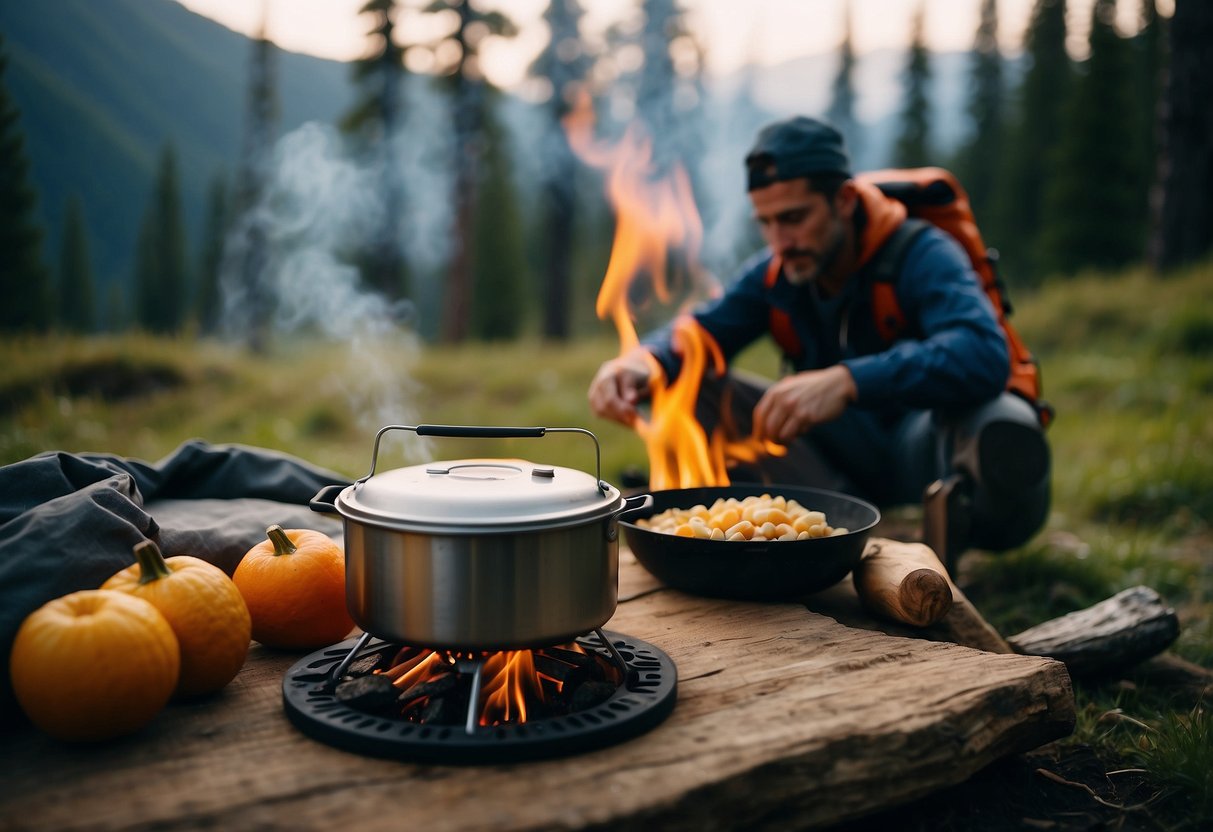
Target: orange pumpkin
94	665
294	585
203	607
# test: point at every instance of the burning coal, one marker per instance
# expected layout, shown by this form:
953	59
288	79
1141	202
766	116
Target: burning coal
434	687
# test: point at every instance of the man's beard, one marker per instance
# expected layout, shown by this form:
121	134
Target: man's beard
823	261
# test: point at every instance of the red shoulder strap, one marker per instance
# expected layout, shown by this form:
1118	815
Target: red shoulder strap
782	329
886	311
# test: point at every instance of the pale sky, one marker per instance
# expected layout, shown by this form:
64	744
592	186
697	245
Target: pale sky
734	32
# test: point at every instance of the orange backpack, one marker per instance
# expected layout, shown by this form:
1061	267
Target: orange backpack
934	196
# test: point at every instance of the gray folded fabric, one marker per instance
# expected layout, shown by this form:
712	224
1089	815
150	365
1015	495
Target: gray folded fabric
70	521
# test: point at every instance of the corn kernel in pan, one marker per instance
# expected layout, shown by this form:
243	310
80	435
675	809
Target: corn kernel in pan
750	518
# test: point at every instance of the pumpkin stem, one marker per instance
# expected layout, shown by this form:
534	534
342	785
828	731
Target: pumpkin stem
151	562
282	543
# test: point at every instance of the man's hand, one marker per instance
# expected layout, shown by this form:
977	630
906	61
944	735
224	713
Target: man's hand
619	384
796	403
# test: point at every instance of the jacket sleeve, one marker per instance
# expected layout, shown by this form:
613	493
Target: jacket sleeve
735	319
960	356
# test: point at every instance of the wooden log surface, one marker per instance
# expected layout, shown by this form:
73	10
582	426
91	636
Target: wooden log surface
785	719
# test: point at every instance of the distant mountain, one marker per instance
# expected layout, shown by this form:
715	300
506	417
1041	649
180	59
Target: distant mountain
802	86
102	86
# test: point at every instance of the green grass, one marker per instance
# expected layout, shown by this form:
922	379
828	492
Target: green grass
319	401
1126	362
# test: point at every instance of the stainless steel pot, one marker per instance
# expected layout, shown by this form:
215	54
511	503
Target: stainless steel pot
480	554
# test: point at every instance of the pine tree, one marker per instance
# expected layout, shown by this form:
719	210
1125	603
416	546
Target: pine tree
1093	214
25	282
564	64
116	315
1183	229
248	249
669	94
913	145
1033	136
160	282
1149	46
469	94
841	112
1149	58
498	297
209	301
146	272
77	307
978	159
375	119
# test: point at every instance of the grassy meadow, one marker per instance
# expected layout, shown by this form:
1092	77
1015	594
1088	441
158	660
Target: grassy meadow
1126	360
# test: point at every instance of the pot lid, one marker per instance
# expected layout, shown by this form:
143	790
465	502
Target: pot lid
478	495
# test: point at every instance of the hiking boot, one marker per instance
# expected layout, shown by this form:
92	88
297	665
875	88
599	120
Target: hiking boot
1012	457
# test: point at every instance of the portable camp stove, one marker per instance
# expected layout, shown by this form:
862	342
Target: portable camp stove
378	698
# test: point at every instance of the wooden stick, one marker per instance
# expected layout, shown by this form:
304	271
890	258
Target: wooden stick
907	583
903	582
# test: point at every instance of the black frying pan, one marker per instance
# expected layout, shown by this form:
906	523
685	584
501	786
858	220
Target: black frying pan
764	570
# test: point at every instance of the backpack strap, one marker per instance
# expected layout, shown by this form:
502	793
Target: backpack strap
782	329
883	272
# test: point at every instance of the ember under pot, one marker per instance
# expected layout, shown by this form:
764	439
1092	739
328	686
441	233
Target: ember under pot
480	554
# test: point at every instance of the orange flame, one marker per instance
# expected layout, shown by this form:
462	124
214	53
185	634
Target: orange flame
511	683
511	680
654	213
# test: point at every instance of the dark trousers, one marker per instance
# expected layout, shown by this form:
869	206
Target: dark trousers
891	458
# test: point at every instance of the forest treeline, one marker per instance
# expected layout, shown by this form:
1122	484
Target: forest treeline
1070	164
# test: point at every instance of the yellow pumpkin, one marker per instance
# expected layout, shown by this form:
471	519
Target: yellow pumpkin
203	607
94	665
294	585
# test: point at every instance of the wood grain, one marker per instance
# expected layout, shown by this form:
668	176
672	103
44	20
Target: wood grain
903	582
785	718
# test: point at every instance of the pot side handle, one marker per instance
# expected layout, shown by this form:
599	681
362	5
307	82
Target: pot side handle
325	500
635	505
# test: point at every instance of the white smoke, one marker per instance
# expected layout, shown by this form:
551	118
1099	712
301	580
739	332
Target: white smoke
319	208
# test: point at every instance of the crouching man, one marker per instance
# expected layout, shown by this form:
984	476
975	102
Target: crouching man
927	416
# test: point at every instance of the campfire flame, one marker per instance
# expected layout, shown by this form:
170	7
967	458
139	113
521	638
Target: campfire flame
510	680
654	213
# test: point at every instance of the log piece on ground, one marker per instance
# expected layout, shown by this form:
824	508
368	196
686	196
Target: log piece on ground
1112	635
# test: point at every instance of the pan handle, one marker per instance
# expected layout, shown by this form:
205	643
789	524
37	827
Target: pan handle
481	431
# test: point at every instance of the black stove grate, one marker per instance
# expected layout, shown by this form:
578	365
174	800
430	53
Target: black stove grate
645	698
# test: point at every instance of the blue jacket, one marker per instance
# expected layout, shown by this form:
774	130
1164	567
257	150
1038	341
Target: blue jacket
954	353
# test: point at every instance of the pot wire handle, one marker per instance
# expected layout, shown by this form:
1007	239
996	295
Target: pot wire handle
482	431
473	431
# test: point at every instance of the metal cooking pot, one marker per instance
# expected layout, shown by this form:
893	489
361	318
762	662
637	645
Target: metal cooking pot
480	554
753	570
